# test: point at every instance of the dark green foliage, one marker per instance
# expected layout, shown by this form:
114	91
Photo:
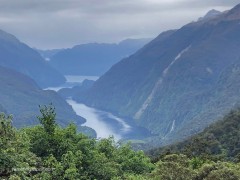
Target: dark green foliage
179	167
50	152
221	140
14	150
47	151
173	167
48	118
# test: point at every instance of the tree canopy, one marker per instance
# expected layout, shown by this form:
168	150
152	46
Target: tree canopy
48	151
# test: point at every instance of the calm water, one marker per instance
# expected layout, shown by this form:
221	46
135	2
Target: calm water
72	81
105	124
79	79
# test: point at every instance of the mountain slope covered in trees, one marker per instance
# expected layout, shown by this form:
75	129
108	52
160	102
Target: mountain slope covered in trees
48	151
176	85
21	96
219	141
18	56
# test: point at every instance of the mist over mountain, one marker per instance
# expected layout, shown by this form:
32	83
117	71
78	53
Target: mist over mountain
210	14
95	58
85	112
47	54
18	56
176	85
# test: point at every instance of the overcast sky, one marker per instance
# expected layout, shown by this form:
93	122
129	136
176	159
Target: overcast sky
48	24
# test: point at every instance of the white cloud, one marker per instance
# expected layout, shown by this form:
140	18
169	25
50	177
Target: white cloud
64	23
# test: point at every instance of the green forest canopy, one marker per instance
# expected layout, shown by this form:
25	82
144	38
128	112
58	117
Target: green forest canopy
48	151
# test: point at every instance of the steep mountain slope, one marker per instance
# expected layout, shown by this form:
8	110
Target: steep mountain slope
21	96
94	59
220	140
174	86
20	57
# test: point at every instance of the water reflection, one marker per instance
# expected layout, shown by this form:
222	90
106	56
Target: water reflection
96	119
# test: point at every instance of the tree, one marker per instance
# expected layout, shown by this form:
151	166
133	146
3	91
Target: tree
16	161
173	166
48	118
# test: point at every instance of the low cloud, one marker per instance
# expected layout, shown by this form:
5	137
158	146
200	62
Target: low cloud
64	23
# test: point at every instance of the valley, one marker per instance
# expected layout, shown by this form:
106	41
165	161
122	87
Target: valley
104	123
138	90
94	120
154	89
178	78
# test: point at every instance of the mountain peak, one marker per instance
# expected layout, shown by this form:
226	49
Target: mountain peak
210	14
234	13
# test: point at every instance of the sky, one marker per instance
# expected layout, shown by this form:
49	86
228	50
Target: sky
50	24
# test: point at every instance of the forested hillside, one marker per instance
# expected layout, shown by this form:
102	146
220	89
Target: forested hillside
179	83
21	96
220	141
18	56
47	151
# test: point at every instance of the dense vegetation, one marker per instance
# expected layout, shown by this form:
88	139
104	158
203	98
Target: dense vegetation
179	83
220	141
47	151
50	152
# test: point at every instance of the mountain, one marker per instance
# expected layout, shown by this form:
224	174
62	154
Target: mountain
179	83
94	59
75	90
47	54
21	96
18	56
210	14
220	140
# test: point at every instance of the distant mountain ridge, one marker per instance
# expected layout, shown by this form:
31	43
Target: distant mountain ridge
210	14
47	54
94	59
176	85
18	56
